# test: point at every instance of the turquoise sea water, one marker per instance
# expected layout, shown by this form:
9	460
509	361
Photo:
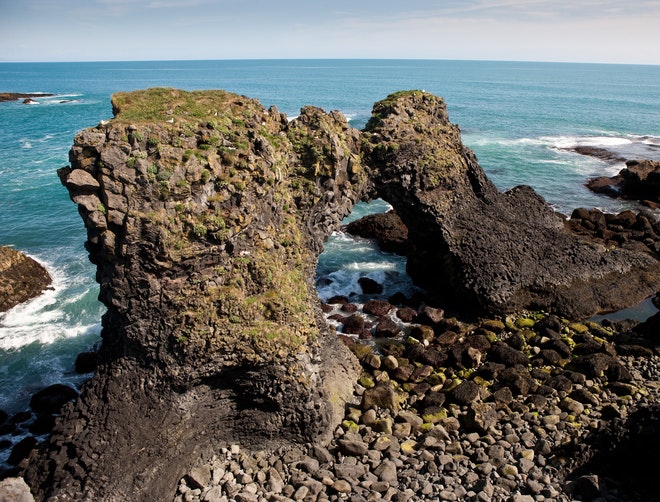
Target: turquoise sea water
518	117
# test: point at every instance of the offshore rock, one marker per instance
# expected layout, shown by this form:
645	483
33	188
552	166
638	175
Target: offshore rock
21	278
386	229
639	180
205	215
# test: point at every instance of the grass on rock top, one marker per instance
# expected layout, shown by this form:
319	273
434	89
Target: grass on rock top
164	103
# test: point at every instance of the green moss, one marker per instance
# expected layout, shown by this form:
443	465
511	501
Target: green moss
349	426
525	322
435	417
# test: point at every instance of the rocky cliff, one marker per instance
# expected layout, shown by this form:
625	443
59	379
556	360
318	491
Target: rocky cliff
205	215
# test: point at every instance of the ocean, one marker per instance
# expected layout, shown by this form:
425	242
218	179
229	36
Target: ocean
521	119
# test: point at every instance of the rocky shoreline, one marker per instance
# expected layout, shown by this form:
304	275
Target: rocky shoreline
523	408
15	96
205	215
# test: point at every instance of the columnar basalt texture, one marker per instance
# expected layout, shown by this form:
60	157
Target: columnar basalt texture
205	215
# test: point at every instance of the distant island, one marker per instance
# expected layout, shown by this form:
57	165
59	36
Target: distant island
14	96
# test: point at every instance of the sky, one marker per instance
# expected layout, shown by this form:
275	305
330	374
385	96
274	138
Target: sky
596	31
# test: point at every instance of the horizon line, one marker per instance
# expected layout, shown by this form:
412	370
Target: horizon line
325	59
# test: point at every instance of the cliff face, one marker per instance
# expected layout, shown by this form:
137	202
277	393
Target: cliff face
486	251
205	215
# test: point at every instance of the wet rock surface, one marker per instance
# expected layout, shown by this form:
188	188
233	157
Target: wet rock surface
639	180
386	229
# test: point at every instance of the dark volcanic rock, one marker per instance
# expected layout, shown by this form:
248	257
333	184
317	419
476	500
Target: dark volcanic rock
15	96
387	229
21	278
205	214
369	286
52	398
484	249
640	180
205	230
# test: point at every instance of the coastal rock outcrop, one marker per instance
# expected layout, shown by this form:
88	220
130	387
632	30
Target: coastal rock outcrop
205	216
487	251
386	229
15	96
21	278
639	180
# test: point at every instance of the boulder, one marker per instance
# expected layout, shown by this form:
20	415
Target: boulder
386	229
15	490
51	399
639	180
21	278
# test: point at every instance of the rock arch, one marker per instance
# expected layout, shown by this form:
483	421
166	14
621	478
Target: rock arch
205	215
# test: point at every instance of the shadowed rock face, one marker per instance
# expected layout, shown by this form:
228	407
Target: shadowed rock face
206	214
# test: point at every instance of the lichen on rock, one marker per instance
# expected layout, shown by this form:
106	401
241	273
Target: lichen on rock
205	221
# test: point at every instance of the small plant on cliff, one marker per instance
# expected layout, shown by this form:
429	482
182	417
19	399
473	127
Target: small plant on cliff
199	230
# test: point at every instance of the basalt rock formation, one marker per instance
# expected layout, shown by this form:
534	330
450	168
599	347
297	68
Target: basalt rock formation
205	215
639	180
21	278
486	250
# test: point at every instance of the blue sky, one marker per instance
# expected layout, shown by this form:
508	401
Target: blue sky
607	31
